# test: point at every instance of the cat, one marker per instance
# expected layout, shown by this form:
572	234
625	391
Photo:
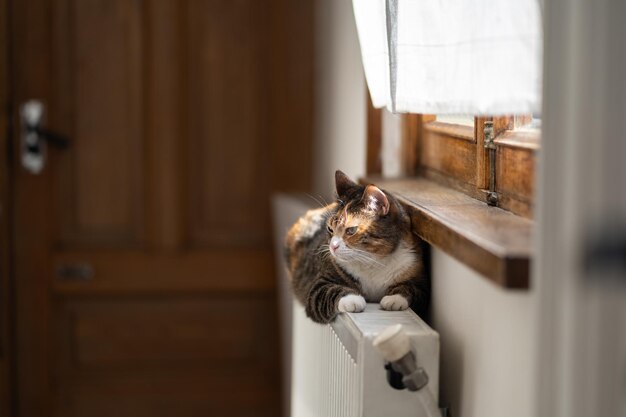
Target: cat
356	250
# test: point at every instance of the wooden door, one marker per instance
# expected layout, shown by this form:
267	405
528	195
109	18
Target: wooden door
143	271
5	310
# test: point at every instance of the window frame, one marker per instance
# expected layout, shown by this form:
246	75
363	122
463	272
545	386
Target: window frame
455	156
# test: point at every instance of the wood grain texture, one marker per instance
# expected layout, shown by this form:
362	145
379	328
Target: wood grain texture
166	195
98	102
226	71
492	241
450	154
410	142
413	136
180	133
515	163
166	356
291	95
451	130
452	183
216	393
525	139
6	353
30	69
515	174
502	123
176	333
374	164
137	272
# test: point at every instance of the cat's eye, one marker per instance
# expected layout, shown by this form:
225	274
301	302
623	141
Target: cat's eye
351	230
330	229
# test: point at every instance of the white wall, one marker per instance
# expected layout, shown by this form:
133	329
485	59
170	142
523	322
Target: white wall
341	106
488	338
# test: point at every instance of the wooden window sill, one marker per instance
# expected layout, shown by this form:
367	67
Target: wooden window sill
492	241
524	139
452	130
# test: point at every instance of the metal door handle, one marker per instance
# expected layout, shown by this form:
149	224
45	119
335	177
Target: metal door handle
35	138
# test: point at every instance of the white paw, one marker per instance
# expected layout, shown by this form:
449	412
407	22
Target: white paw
394	302
351	303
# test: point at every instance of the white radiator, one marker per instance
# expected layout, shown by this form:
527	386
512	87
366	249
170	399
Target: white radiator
334	370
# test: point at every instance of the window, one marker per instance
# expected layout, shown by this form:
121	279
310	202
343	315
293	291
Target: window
450	150
449	174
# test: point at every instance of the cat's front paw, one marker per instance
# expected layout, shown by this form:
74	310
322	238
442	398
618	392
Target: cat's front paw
394	302
351	303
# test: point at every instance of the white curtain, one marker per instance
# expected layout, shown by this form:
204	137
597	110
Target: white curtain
452	56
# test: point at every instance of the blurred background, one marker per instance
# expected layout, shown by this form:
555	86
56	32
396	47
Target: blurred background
142	261
141	248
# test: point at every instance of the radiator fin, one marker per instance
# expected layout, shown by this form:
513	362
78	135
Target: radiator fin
339	386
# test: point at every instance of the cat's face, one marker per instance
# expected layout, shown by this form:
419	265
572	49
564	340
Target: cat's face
364	229
356	235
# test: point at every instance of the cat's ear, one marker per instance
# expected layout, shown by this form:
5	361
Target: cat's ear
376	200
344	184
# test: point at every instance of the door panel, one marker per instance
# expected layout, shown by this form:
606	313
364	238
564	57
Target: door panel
165	355
141	271
144	271
236	395
98	80
226	72
179	332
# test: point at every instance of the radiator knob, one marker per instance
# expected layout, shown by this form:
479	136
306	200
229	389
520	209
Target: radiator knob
393	343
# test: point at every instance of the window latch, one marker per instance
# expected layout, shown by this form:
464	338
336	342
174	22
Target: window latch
490	145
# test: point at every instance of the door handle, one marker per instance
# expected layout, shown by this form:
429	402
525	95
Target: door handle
35	138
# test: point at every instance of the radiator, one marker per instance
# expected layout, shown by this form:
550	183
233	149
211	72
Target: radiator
334	370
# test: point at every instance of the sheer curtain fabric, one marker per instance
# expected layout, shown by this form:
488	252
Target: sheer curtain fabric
452	57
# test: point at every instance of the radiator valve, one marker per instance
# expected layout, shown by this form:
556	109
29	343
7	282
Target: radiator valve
393	344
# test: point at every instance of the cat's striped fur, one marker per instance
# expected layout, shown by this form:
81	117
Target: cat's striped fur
359	248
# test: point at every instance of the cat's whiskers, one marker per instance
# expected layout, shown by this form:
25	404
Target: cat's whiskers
323	248
322	203
362	257
367	255
324	251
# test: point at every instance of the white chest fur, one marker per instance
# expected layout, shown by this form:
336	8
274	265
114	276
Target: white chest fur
376	278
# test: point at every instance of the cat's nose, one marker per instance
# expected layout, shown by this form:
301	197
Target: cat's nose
334	243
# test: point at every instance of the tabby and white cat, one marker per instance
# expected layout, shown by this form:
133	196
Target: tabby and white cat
358	249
